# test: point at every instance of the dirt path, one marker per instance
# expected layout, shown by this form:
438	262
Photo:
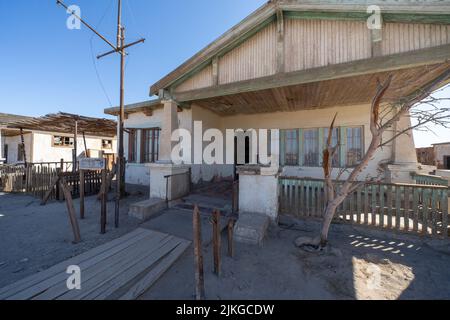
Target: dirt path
34	238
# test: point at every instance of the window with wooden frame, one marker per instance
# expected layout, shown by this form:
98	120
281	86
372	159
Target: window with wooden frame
291	146
20	152
61	141
107	144
311	147
150	145
132	145
334	142
354	148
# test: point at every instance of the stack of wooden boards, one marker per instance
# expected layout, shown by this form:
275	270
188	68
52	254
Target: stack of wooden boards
121	269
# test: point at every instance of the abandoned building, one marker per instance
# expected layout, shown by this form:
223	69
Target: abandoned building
52	138
291	65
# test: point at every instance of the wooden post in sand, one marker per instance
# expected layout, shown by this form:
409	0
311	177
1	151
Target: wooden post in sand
82	194
198	256
103	200
216	241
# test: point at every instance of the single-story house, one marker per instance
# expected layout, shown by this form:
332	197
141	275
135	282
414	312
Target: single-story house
52	138
292	65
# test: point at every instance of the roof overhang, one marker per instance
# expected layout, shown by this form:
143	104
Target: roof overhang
145	106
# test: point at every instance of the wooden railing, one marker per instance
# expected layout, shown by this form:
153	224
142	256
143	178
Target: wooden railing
36	179
407	208
430	180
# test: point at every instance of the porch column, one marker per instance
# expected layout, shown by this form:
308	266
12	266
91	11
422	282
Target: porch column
167	180
170	124
404	156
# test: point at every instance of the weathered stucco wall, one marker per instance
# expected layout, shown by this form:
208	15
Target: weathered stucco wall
44	151
441	151
13	147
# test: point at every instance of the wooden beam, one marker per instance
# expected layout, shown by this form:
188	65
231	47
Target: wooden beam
280	42
400	61
148	112
215	71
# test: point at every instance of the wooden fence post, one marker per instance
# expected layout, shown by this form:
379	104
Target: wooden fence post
198	256
71	211
231	224
103	205
82	193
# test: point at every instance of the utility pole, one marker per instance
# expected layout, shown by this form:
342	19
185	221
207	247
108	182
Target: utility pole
120	49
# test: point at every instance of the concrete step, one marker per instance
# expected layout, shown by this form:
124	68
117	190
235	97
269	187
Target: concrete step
251	228
146	210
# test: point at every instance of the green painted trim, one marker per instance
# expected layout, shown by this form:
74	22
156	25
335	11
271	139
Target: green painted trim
363	16
343	146
316	15
300	147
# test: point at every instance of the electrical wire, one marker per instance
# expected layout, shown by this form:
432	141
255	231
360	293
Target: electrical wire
94	59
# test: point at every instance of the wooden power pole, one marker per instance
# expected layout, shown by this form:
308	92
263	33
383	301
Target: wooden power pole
120	49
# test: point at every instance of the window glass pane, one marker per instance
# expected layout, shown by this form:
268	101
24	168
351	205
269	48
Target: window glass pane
354	146
132	145
291	147
311	147
334	142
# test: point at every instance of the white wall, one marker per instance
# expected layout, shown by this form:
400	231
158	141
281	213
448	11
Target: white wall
13	147
39	147
44	151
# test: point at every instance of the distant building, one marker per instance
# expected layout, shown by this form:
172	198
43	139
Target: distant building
52	138
426	156
442	155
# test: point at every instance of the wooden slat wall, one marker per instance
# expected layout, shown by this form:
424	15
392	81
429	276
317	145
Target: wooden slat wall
202	79
257	57
404	37
417	209
316	43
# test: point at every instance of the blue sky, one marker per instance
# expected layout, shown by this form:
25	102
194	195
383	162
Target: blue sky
47	68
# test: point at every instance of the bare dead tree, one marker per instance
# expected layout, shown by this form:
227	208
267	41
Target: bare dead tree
382	119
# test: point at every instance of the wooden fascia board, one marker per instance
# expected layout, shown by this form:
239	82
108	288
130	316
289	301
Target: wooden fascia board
367	66
230	38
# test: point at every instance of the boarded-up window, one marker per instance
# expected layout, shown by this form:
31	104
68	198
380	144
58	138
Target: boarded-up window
334	142
150	145
132	145
311	147
354	145
291	147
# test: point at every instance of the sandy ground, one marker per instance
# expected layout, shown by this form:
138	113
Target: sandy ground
361	264
34	238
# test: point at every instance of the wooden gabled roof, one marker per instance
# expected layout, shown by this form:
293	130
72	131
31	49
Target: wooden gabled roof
393	10
65	123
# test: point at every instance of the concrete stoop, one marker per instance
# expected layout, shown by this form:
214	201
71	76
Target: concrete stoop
145	210
251	228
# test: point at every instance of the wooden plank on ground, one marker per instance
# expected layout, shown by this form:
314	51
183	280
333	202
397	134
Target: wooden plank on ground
59	268
146	282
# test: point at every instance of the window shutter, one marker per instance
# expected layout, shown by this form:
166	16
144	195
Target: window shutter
282	147
343	146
